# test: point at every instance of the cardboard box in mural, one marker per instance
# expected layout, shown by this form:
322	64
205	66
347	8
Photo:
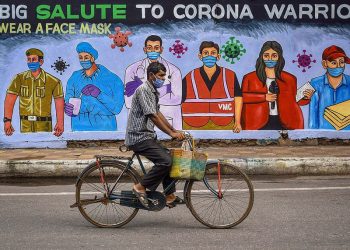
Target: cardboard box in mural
250	65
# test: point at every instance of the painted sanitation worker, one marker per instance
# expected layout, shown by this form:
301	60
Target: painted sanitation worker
211	95
142	139
35	89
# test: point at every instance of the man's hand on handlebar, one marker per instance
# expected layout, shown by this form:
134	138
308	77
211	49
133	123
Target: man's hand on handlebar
178	135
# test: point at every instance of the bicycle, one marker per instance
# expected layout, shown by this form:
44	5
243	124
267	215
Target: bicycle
223	199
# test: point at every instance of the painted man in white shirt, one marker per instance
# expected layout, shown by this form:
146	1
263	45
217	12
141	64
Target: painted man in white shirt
170	94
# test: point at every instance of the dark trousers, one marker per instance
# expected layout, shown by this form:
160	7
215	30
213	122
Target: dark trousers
160	156
274	123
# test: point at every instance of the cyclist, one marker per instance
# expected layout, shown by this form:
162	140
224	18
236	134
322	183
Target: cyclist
142	139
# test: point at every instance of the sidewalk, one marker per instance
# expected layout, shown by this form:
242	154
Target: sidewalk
69	162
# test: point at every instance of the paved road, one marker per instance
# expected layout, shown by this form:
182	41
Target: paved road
288	213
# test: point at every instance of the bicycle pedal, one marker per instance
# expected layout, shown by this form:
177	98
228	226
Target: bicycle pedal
74	205
157	200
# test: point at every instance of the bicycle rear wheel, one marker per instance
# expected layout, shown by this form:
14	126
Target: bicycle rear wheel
224	203
93	200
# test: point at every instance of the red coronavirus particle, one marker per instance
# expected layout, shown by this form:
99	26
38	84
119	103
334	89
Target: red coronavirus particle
120	39
178	48
304	60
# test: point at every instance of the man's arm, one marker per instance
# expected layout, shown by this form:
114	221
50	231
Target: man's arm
159	120
59	128
113	102
165	121
238	101
10	101
238	112
149	106
314	122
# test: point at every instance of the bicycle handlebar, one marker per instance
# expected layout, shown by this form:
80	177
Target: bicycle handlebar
123	148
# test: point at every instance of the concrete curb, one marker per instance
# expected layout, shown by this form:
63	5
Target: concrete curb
254	166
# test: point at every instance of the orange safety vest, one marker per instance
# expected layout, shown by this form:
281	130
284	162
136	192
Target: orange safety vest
202	105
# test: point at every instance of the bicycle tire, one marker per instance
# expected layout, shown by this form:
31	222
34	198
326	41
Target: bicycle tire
201	210
91	173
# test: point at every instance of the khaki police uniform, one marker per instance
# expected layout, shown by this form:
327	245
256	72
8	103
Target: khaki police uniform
35	99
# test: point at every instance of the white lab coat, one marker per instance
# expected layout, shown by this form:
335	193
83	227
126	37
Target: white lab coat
170	103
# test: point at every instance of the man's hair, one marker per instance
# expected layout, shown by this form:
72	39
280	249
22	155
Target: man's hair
208	44
153	38
154	68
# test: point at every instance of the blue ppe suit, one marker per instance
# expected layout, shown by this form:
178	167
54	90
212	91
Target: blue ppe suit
96	114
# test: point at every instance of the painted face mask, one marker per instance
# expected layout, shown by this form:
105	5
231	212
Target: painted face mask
270	63
209	61
335	72
86	64
33	66
153	55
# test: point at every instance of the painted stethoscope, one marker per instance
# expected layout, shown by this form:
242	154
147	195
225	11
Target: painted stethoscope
142	67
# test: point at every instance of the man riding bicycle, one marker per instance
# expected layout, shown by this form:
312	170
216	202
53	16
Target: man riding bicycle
142	139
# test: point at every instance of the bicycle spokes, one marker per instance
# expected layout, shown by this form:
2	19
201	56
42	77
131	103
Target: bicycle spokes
223	199
93	198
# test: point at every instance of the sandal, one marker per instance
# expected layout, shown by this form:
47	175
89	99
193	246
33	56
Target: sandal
142	198
175	202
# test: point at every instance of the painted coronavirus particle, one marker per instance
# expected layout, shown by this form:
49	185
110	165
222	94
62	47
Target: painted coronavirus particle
178	48
120	39
60	65
232	50
304	61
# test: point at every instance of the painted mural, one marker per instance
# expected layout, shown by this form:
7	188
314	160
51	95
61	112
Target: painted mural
265	66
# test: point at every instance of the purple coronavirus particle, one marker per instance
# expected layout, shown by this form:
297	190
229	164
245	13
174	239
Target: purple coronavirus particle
178	48
304	61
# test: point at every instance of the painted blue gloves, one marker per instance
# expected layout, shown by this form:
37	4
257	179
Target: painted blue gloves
68	109
168	88
131	87
91	89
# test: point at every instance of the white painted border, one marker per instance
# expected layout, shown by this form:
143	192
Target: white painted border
47	140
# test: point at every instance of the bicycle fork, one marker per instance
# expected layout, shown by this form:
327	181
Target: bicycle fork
206	183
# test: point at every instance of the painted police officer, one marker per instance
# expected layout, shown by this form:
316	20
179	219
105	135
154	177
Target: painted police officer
35	89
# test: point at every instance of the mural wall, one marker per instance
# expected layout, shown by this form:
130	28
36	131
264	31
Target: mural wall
248	65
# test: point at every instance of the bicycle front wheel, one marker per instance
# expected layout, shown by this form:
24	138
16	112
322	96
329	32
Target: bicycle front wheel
92	197
221	200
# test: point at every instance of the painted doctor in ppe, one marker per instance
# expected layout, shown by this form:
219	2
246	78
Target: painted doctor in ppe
94	95
170	94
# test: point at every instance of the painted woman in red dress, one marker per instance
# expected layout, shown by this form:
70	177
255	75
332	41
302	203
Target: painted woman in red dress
269	94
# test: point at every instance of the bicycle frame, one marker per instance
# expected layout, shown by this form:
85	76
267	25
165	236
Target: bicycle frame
129	165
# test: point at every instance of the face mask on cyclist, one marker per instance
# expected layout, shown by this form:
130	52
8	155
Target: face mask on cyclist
158	82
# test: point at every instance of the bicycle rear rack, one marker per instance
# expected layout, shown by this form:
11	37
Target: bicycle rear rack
110	157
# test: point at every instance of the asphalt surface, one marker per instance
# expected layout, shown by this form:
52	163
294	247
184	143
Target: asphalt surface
288	213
